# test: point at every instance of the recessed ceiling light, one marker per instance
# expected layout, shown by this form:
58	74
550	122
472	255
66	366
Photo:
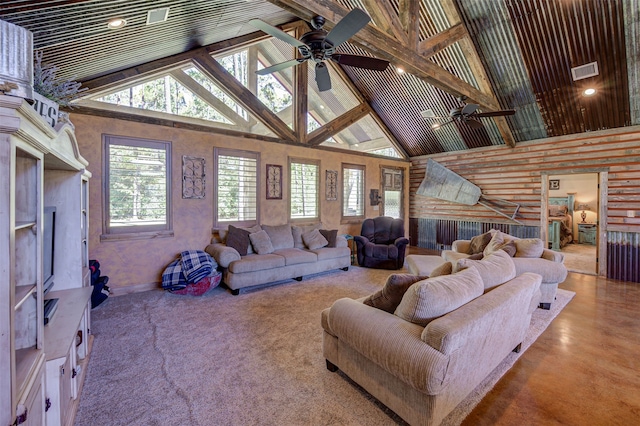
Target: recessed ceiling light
116	23
589	92
399	70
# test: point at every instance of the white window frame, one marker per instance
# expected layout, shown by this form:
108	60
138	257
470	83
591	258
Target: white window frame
217	152
316	163
346	169
110	232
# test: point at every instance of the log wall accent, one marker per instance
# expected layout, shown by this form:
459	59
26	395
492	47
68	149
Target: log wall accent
517	174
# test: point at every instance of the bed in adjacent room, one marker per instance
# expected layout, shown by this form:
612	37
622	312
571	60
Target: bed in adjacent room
560	221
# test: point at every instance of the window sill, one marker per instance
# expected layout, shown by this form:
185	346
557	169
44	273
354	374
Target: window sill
144	235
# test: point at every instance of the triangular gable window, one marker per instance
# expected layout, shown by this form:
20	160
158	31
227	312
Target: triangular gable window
365	135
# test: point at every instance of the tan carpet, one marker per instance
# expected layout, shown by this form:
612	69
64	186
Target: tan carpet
163	359
580	258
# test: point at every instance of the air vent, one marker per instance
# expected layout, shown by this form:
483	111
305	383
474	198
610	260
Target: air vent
157	15
585	71
428	114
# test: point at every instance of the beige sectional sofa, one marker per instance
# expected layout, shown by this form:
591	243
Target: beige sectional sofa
289	257
423	357
532	257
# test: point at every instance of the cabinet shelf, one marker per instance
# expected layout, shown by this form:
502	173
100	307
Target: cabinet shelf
23	292
28	360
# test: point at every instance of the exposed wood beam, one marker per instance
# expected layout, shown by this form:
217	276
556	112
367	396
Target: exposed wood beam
338	124
209	98
242	95
386	19
381	45
442	40
410	19
301	95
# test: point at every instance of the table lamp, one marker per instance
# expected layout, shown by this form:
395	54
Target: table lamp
585	208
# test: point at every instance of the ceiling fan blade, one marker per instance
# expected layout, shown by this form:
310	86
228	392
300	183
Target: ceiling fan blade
473	123
353	22
279	67
322	77
496	113
469	109
436	126
275	32
360	61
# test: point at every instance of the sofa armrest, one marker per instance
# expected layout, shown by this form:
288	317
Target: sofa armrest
223	254
401	241
461	246
390	342
554	256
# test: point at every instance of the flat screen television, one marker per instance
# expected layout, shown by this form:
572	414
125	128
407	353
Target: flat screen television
48	243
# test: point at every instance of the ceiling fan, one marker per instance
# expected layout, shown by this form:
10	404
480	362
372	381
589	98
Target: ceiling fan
468	114
318	45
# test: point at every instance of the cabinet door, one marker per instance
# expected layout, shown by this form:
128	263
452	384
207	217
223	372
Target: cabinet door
35	403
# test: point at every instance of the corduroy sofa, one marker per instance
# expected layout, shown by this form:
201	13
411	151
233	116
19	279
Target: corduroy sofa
288	257
423	372
534	257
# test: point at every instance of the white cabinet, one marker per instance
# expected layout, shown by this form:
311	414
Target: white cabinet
40	166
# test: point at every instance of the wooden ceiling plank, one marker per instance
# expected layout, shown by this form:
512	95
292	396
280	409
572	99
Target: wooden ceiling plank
386	19
410	20
338	124
242	95
381	45
201	92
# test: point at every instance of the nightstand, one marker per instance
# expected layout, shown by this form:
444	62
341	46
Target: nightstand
587	233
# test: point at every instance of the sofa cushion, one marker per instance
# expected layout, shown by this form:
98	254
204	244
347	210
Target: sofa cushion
389	296
479	242
238	239
256	262
330	236
427	300
381	251
529	247
298	230
280	236
326	253
445	269
495	269
261	242
294	256
314	240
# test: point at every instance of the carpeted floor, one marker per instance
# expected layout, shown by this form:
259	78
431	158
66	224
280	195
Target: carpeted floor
580	258
161	359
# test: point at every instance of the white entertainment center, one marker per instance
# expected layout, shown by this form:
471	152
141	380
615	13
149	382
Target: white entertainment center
42	366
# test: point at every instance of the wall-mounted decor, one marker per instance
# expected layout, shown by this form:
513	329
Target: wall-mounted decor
554	183
331	190
274	182
193	177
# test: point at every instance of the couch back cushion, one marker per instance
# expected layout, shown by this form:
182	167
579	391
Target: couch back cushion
298	230
391	294
427	300
529	247
280	235
495	269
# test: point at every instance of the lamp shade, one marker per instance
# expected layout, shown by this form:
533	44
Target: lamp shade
584	206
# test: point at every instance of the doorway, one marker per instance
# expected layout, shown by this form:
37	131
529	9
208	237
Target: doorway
573	204
392	192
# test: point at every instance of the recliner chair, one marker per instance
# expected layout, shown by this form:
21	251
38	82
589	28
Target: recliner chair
381	243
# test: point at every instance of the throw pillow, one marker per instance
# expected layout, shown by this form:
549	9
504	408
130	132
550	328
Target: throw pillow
314	240
261	242
297	232
479	242
495	269
238	239
330	236
529	247
445	269
427	300
509	247
390	295
494	245
476	256
280	236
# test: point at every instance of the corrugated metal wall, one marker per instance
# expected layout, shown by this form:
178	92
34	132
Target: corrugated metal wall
623	256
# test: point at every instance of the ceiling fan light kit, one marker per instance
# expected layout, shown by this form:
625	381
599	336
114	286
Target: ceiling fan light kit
319	46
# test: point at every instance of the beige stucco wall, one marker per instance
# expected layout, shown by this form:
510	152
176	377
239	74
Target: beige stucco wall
141	262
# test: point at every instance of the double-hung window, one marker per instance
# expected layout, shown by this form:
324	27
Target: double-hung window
304	179
236	181
353	191
137	196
